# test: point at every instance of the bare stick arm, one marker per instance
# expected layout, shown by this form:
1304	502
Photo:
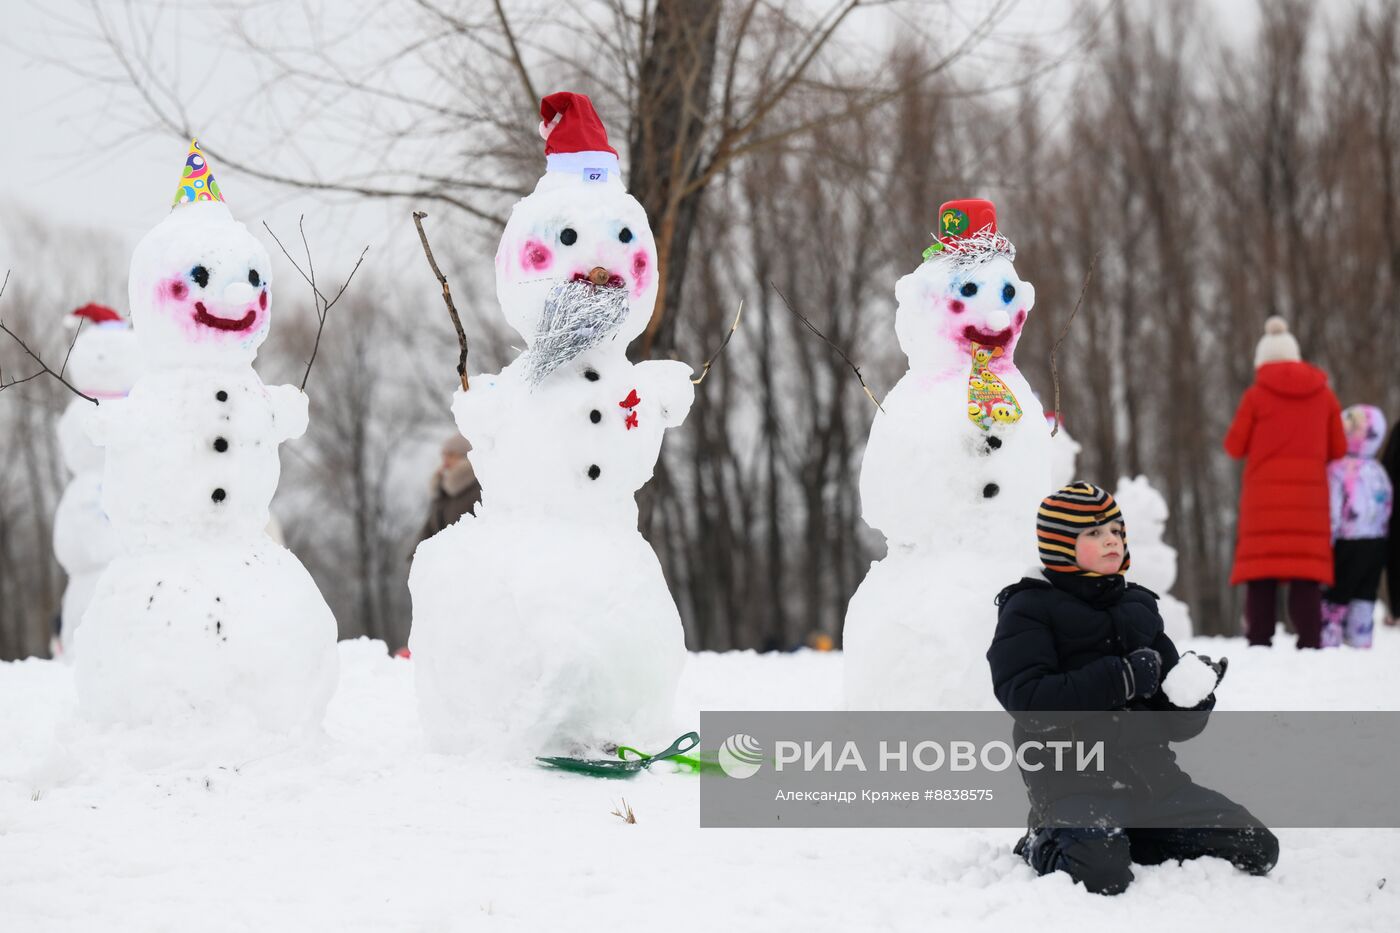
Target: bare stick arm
827	340
44	367
447	297
705	370
1055	348
322	304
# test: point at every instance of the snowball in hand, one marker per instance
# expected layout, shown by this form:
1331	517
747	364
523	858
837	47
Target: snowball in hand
1190	682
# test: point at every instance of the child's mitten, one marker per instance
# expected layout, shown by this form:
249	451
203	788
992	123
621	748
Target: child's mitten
1144	670
1220	666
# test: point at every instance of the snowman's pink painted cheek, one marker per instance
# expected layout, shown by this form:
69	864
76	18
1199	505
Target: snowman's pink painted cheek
262	300
535	256
1020	317
956	306
641	268
177	289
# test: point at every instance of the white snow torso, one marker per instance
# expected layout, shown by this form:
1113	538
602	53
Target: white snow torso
192	454
927	468
572	448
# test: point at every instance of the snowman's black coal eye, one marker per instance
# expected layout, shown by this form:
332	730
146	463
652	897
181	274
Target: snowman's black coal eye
1008	291
200	276
568	236
969	289
253	278
625	235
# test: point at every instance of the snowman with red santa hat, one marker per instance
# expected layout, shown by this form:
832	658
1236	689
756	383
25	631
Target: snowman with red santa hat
543	623
103	364
955	468
202	617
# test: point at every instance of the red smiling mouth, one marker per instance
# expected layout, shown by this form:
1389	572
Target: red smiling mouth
222	323
614	280
992	338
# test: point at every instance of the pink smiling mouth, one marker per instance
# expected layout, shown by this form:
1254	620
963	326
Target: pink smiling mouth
614	280
221	323
996	338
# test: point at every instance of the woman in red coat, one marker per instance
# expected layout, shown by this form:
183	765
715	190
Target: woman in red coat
1287	428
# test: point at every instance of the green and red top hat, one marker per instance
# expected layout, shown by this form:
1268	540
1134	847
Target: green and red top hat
960	219
968	226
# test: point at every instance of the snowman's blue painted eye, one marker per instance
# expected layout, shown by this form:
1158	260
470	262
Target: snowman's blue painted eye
969	289
625	235
1008	292
568	236
200	276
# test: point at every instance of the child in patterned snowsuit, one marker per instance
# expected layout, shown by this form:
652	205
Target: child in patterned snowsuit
1361	498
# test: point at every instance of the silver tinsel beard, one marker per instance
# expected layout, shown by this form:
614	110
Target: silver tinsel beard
577	317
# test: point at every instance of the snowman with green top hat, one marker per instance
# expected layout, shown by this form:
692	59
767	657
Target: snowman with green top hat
957	462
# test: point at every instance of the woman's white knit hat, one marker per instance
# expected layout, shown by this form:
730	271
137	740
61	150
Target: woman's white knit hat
1277	345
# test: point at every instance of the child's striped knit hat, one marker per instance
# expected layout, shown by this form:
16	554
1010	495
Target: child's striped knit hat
1064	514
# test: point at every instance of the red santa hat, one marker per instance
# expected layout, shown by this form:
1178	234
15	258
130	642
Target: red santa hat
91	314
575	140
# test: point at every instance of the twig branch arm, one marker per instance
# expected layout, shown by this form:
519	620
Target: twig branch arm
705	370
826	340
446	297
1064	331
35	357
322	304
325	311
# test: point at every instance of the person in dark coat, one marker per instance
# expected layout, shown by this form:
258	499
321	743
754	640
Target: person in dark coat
1079	638
1391	461
454	488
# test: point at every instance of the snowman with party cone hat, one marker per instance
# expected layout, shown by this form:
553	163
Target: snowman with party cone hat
203	616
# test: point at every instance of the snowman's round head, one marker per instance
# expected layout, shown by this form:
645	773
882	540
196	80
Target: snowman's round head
105	360
579	225
200	289
953	304
567	230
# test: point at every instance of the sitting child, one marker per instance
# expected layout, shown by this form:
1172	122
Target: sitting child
1079	638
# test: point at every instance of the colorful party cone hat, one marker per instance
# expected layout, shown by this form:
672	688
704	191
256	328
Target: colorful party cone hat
196	181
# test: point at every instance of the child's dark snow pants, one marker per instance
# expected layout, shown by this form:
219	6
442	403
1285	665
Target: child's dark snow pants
1100	858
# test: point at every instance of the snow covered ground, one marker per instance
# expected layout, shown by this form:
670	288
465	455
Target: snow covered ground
366	831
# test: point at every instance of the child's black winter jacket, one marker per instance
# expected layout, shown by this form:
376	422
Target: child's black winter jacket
1060	647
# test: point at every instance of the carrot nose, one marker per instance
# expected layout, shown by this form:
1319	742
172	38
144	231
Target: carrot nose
598	275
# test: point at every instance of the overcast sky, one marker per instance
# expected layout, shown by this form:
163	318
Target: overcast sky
57	130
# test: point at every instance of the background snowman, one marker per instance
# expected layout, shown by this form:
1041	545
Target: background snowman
103	364
203	614
544	622
956	465
1145	509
